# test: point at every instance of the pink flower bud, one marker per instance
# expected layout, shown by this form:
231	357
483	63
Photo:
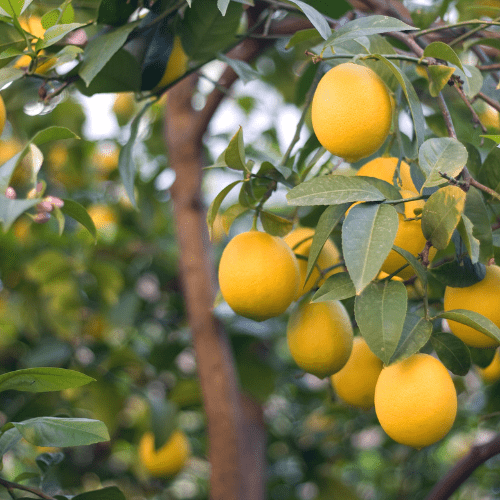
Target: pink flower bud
10	193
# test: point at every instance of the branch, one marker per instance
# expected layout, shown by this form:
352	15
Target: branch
9	485
464	468
475	117
489	100
446	115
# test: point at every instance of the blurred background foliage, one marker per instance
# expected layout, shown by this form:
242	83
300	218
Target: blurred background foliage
114	309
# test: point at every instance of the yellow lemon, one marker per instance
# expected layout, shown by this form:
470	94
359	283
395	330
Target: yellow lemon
300	240
319	336
105	158
384	168
105	221
33	25
355	382
416	400
258	275
488	115
169	459
351	111
124	105
483	298
409	237
492	372
176	65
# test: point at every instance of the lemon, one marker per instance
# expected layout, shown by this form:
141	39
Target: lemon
124	105
482	297
258	275
169	459
351	111
176	65
384	168
488	115
409	237
328	257
319	337
355	382
3	115
105	221
416	400
33	25
491	373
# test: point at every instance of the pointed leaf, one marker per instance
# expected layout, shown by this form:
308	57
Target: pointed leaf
416	333
445	155
474	320
244	71
465	229
333	190
303	36
441	215
54	431
215	205
10	210
10	74
439	76
42	379
317	19
106	493
489	174
53	133
327	221
475	211
368	233
9	439
440	50
274	224
452	352
380	312
55	34
339	286
415	263
482	357
459	274
234	156
231	214
76	211
163	413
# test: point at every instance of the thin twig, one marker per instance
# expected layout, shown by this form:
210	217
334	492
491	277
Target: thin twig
488	67
475	117
455	25
489	100
9	485
446	115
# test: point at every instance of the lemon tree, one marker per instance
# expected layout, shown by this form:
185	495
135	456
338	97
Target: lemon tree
280	218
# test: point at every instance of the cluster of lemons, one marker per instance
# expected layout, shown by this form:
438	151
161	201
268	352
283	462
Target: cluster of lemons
261	275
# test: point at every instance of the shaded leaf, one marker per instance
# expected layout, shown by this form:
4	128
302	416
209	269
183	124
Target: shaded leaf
274	224
303	36
107	493
416	332
459	274
489	174
338	286
482	357
244	71
10	210
234	155
415	263
9	439
216	203
162	413
439	76
55	34
474	320
317	19
452	352
475	210
380	312
78	212
441	50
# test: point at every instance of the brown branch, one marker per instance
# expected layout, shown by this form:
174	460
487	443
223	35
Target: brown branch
489	100
463	469
488	67
446	115
9	485
475	118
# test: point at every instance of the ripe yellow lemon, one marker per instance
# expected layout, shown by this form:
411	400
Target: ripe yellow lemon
491	373
3	115
483	298
176	65
355	382
300	240
169	459
105	221
351	111
409	237
384	168
416	400
258	275
319	337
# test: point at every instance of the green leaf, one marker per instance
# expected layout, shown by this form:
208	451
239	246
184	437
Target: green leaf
452	352
365	26
424	14
101	49
444	154
163	419
388	190
441	215
328	220
231	214
368	233
474	320
415	263
10	210
7	169
14	7
412	98
493	137
439	75
52	134
55	34
222	6
9	439
482	357
380	312
234	156
489	174
465	229
440	50
216	203
244	71
55	431
50	18
333	190
42	380
317	19
338	286
107	493
472	78
459	274
303	36
274	224
205	31
416	332
76	211
116	12
10	74
126	161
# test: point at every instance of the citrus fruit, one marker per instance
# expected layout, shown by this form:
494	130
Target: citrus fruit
409	237
492	372
482	297
355	382
351	111
258	275
3	115
488	115
384	168
300	240
105	221
416	400
169	459
319	337
176	65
